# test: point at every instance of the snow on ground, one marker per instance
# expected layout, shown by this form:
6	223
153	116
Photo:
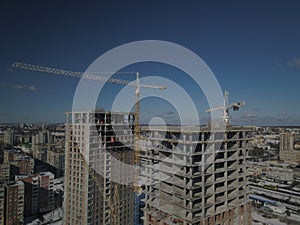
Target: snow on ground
262	220
53	218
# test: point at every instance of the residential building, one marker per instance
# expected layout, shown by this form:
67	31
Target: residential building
24	165
56	159
1	137
31	192
39	192
19	162
2	203
46	191
95	185
41	138
40	151
14	203
4	172
286	141
8	137
287	153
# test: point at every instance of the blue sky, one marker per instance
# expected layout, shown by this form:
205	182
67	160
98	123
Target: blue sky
251	46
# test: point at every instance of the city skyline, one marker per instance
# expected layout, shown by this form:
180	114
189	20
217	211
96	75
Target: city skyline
252	48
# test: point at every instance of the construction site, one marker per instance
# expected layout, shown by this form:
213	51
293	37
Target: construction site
190	175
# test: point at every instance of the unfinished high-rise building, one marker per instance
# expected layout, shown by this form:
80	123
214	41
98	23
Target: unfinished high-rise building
95	182
195	175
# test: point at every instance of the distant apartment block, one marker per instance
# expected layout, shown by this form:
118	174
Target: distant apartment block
24	165
195	176
57	137
286	141
39	193
1	137
2	203
93	141
4	172
40	151
40	138
287	152
14	203
31	192
19	162
13	137
8	137
46	192
56	159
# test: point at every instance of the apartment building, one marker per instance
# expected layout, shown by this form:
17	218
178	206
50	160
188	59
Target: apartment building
39	192
14	203
94	181
287	152
8	137
4	172
56	159
46	191
31	192
18	163
2	203
195	176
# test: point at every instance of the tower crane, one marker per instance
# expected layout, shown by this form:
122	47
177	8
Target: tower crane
235	106
25	66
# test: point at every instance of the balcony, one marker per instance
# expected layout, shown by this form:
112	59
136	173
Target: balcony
209	179
232	166
165	167
178	190
232	184
232	203
209	169
209	190
220	179
220	199
220	189
232	194
209	211
220	209
209	159
232	156
232	175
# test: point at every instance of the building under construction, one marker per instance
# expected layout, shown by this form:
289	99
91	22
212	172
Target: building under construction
95	190
195	175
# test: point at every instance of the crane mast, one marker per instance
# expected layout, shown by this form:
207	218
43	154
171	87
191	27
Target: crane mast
137	133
